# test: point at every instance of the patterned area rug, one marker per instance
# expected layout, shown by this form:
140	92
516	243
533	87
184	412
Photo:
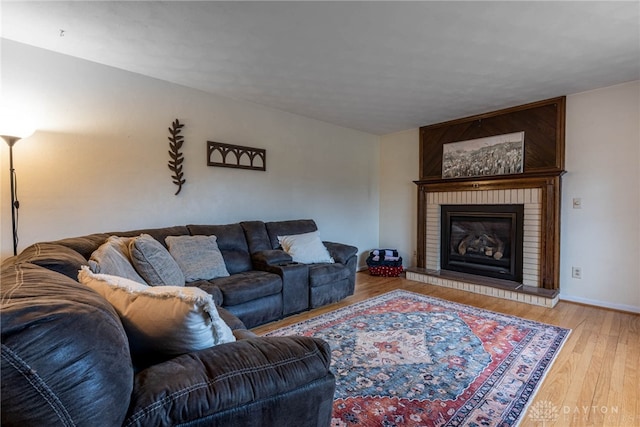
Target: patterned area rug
405	359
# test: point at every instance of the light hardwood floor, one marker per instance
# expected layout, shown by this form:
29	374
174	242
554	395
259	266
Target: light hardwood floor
594	381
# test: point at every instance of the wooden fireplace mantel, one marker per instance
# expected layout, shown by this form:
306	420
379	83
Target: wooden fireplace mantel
548	183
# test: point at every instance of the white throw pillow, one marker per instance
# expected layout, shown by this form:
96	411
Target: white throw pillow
170	320
306	248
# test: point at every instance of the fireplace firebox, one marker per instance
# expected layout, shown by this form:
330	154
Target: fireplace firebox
484	240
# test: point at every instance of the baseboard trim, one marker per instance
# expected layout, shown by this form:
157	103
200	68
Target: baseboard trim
601	304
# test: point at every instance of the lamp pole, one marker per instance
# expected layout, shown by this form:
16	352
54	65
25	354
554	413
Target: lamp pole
15	205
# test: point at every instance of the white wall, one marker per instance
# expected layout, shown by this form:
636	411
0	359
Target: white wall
603	169
399	167
98	161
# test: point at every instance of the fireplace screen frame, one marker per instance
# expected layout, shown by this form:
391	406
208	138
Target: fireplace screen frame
508	269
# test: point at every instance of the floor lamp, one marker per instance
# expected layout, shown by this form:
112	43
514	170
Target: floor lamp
15	205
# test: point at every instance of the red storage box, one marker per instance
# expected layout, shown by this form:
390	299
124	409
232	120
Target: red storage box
385	271
384	262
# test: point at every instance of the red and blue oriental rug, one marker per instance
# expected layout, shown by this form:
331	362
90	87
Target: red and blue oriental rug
405	359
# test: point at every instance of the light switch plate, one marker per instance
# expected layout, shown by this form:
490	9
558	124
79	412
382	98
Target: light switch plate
577	203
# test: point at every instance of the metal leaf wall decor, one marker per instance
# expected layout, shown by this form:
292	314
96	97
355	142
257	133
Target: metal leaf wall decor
176	158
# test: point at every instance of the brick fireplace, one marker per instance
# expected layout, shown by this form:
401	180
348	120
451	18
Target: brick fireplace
476	149
539	198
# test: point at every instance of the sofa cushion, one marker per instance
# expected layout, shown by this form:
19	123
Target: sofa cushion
154	263
209	288
84	245
232	243
248	286
305	248
256	235
160	234
198	257
258	311
323	274
168	320
113	257
271	257
322	295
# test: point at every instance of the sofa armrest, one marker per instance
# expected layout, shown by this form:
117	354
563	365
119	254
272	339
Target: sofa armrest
65	355
295	285
54	257
340	252
270	257
209	288
232	321
203	385
243	334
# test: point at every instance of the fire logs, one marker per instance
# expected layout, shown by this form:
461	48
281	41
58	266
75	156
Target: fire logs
489	245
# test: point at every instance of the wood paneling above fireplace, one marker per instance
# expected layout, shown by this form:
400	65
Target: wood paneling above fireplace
544	126
543	123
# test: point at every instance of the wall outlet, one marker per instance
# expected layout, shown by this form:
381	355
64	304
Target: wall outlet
576	272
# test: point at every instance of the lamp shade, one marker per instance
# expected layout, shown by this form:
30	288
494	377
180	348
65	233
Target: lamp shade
16	127
12	137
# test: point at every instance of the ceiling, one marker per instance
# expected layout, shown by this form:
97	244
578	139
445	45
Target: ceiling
378	67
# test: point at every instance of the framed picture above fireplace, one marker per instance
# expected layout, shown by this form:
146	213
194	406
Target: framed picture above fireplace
493	155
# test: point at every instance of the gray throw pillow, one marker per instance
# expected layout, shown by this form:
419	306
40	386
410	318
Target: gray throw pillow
154	262
199	257
113	257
